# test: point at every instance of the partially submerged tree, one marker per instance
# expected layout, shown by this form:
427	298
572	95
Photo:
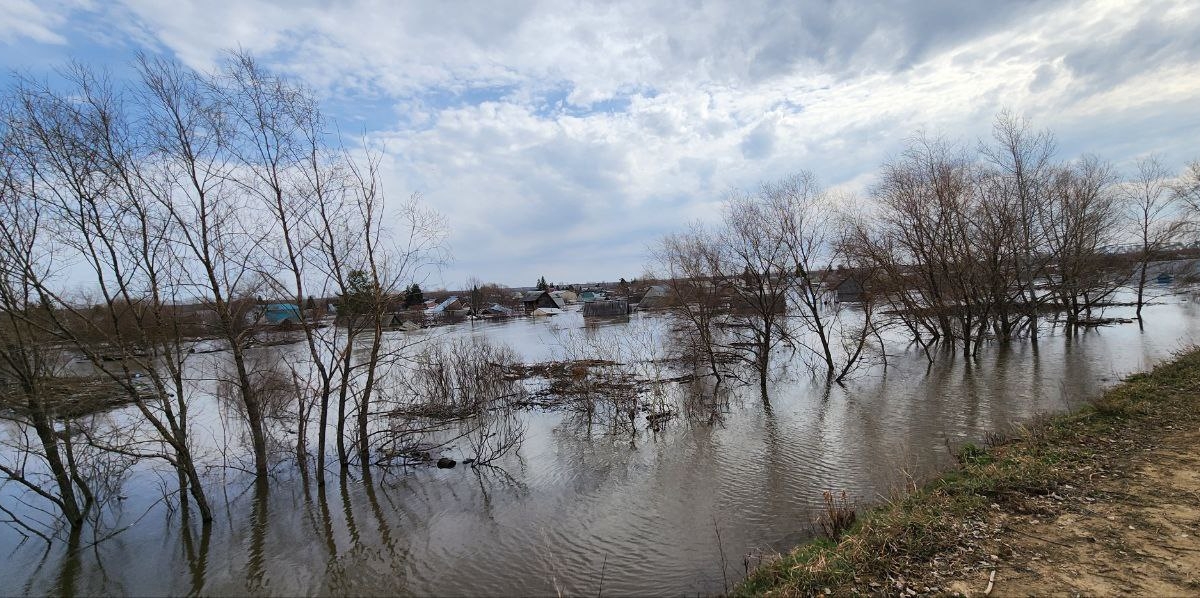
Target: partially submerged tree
29	366
764	278
753	265
687	262
89	173
1152	214
1081	218
814	237
1021	168
1186	190
187	200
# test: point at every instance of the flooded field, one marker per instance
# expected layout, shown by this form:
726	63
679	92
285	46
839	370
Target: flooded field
581	509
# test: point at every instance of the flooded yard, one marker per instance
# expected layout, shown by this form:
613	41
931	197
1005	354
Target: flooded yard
585	509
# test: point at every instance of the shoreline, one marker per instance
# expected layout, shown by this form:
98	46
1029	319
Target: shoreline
1079	502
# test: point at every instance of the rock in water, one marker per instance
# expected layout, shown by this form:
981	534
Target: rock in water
446	463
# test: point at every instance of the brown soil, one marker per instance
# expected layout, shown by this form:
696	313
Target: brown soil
1136	531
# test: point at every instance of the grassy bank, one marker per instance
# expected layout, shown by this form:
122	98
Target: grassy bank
963	523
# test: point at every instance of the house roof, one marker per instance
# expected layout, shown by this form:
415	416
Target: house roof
441	307
657	290
496	308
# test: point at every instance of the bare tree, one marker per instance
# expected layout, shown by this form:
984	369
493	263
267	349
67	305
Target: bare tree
925	243
89	180
1023	162
1151	211
687	261
753	265
190	125
1186	190
811	231
1082	217
29	364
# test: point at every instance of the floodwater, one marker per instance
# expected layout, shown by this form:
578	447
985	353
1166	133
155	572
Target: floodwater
586	511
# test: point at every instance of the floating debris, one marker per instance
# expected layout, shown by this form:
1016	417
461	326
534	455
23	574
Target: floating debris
70	397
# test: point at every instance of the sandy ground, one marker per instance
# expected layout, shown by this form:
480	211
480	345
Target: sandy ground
1133	529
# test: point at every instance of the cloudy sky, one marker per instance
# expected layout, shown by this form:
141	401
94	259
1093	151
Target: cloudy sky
561	138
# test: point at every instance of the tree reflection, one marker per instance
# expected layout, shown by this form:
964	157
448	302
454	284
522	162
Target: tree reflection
256	561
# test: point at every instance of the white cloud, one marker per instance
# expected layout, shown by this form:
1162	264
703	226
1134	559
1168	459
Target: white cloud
25	19
561	137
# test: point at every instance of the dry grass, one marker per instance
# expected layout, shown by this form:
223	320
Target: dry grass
838	516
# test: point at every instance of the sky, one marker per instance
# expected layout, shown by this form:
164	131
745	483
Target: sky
562	138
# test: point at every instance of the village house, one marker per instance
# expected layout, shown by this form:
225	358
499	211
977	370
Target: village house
495	311
567	295
848	289
655	297
606	308
279	313
541	299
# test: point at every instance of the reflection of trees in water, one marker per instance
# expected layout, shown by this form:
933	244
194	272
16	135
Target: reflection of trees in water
256	560
195	552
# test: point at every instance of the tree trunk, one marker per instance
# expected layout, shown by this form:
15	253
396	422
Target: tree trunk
1141	289
66	491
254	415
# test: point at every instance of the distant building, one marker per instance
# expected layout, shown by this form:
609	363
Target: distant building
566	295
606	308
448	305
655	297
849	290
278	313
496	311
536	299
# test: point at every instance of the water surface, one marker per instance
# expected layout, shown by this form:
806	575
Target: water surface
576	505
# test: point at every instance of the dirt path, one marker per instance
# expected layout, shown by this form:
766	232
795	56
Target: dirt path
1135	530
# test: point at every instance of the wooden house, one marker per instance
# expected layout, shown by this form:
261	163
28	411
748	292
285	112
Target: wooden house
536	299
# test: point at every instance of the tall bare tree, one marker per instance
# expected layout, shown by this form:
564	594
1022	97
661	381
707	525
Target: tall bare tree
1186	190
1082	217
1152	213
217	234
29	363
753	265
696	294
1023	160
813	234
88	180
